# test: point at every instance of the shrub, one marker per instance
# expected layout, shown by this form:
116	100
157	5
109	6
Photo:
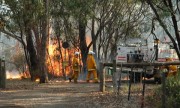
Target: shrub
172	96
173	92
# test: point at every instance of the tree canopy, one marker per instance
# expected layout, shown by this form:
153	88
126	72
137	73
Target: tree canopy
105	22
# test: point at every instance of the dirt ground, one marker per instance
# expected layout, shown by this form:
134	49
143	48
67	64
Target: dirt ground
63	94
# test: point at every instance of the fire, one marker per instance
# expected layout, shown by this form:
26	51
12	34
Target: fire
25	74
13	75
17	75
37	80
59	60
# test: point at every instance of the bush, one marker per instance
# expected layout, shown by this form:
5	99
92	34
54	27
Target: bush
172	96
173	92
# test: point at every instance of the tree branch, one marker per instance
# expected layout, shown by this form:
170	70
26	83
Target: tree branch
12	35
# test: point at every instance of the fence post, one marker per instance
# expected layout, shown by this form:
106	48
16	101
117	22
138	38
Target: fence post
129	89
114	76
2	74
119	83
143	90
163	90
102	77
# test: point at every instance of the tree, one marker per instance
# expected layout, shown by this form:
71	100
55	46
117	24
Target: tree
167	10
27	21
65	29
115	20
108	21
76	14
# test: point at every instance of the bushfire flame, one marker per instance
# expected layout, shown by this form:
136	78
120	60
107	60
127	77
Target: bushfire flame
12	75
59	59
16	75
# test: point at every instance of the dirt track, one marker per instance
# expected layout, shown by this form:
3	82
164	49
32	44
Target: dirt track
58	94
51	95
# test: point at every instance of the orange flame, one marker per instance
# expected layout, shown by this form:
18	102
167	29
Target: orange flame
55	64
12	75
17	75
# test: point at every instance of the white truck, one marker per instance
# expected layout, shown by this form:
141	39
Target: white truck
136	53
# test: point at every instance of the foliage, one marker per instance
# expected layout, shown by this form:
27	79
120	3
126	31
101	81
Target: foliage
19	12
118	20
172	96
166	12
172	91
162	9
26	21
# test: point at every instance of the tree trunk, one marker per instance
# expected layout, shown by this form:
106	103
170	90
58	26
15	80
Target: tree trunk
45	33
83	45
61	58
32	55
94	45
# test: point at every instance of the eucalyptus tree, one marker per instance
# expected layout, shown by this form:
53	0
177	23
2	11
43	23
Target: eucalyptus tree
75	15
27	21
65	29
166	13
107	20
115	20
